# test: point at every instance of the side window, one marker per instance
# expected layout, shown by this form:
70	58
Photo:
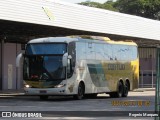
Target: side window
99	52
128	53
116	52
71	62
90	51
108	51
81	50
119	57
125	52
134	53
72	52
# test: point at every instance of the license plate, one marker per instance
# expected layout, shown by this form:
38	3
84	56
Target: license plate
42	91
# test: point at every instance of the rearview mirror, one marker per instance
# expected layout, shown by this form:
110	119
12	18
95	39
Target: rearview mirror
64	59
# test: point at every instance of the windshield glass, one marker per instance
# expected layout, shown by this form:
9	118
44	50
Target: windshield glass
43	68
45	49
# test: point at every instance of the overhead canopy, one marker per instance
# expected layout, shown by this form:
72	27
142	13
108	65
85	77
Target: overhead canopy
21	19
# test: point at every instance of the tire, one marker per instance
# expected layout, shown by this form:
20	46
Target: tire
112	95
43	97
119	92
128	85
80	93
125	91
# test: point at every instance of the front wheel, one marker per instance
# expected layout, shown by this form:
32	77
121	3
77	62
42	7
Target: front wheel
80	93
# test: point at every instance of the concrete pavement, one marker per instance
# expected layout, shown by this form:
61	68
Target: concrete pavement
21	91
12	92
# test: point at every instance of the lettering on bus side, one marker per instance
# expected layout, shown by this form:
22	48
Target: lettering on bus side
116	66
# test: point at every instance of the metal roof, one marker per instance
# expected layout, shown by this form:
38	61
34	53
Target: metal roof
66	15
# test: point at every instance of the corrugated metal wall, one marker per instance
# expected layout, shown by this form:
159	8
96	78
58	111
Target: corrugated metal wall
147	52
147	58
78	17
9	78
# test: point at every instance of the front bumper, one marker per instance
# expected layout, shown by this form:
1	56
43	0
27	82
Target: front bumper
45	91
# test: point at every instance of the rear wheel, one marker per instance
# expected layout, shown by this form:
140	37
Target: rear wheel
119	92
43	97
80	93
125	91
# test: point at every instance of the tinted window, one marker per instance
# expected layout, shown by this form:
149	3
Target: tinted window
43	68
38	49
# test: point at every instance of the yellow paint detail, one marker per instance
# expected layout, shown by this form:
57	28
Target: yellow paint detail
131	72
100	38
91	37
49	13
71	88
106	39
122	42
135	69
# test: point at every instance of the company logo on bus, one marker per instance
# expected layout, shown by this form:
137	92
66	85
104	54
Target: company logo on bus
116	66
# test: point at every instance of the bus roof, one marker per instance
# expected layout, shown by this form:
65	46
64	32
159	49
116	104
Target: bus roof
93	39
52	39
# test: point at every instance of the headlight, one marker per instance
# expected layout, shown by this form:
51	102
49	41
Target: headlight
27	86
60	85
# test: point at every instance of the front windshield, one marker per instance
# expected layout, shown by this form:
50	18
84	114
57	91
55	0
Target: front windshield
43	68
47	48
43	61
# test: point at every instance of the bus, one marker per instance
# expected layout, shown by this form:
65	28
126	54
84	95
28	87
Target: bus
80	66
